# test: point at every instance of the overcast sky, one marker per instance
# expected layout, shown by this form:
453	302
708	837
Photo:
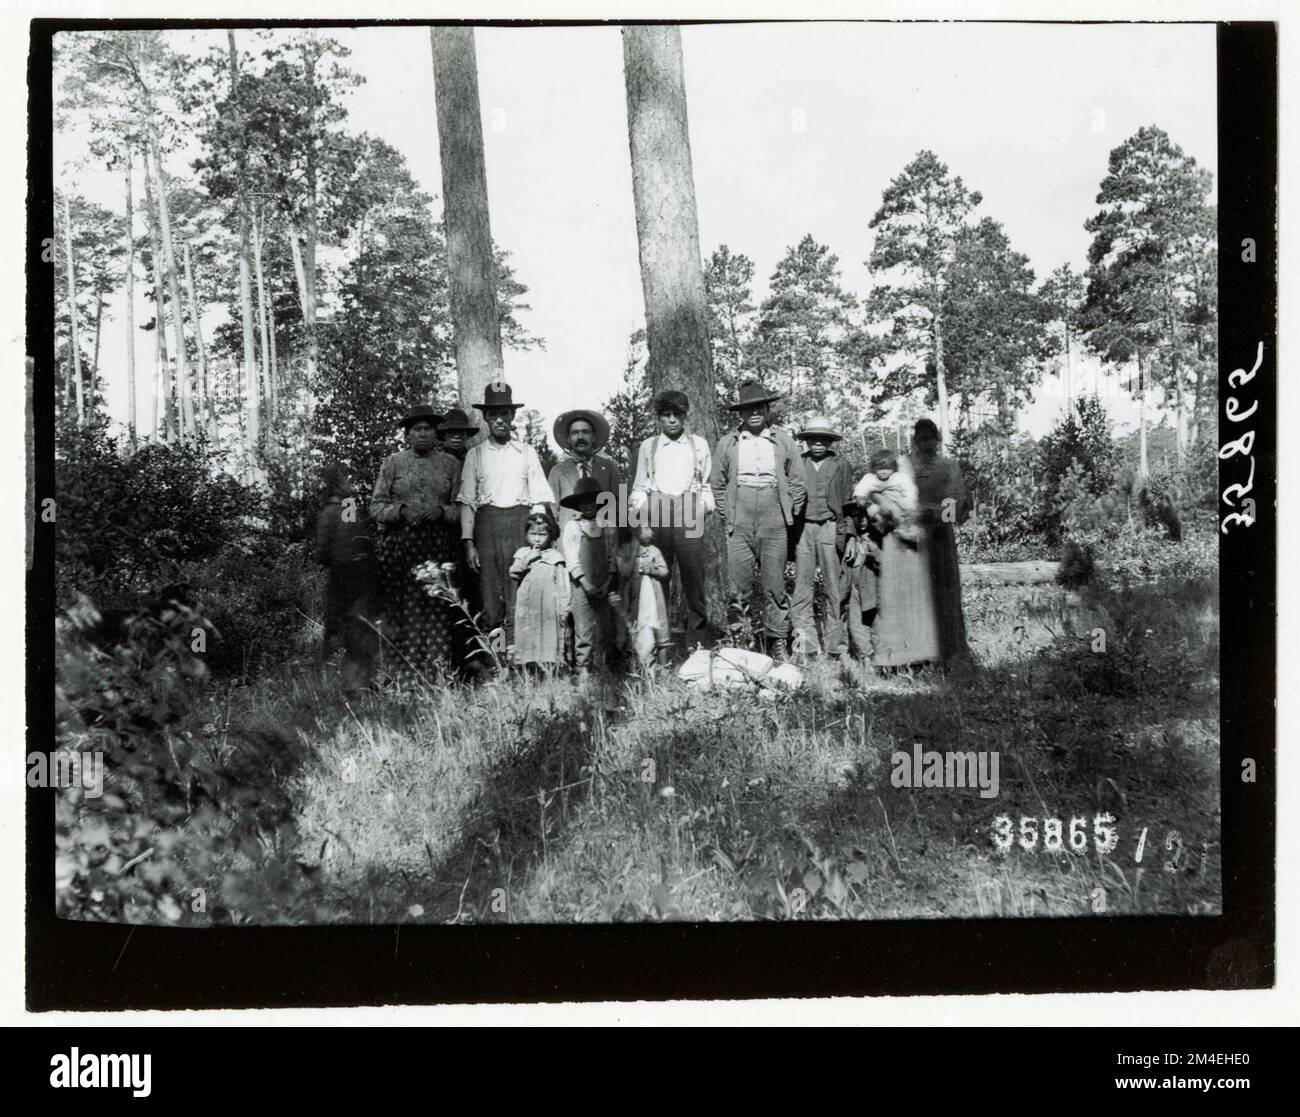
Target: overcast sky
795	128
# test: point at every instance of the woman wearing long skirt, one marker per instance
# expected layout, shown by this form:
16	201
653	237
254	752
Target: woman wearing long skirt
906	630
943	505
414	505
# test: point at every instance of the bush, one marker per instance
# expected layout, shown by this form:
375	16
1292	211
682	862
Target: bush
191	828
129	521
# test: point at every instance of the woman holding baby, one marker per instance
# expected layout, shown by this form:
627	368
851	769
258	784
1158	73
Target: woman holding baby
919	618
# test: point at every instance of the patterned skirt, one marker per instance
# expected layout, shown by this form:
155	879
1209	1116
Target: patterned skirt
418	629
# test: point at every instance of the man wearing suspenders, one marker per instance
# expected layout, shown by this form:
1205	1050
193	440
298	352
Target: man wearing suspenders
671	489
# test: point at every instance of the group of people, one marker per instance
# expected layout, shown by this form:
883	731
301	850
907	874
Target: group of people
575	567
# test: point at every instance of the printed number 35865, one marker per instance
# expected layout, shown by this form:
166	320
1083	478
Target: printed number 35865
1056	838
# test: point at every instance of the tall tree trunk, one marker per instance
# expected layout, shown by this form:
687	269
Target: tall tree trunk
1144	470
74	339
1194	434
668	241
94	360
312	235
251	395
163	382
264	392
941	380
207	412
472	270
173	284
130	302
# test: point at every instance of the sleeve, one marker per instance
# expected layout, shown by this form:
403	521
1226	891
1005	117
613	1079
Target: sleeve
959	494
706	472
641	480
539	489
570	538
519	566
384	509
449	509
325	531
796	477
656	567
553	479
467	495
718	477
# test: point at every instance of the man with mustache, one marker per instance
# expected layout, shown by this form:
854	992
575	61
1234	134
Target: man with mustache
582	434
502	481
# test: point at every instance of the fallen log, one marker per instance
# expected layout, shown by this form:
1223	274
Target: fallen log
1009	573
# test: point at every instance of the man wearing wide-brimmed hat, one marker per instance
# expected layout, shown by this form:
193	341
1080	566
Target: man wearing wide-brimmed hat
581	434
823	535
672	483
502	480
759	488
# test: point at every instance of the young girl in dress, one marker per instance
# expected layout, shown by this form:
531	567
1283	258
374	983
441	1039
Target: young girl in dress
643	573
542	599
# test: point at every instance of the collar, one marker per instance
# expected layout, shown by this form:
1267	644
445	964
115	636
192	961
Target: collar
827	457
683	439
766	432
495	446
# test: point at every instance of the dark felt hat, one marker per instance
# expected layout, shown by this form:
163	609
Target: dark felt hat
497	394
584	490
752	394
669	398
599	425
457	420
421	413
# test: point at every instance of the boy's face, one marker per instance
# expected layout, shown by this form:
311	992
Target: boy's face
538	537
671	422
818	447
646	535
885	472
454	441
587	509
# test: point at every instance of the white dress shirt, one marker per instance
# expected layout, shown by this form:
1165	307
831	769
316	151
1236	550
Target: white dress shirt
502	476
681	465
756	458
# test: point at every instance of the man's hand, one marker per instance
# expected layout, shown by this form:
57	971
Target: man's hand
851	553
471	556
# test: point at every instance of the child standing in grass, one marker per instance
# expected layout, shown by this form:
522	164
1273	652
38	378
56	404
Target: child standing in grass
542	599
858	584
643	572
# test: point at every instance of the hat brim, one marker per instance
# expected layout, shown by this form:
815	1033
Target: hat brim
577	500
599	426
832	435
752	403
408	421
462	428
484	406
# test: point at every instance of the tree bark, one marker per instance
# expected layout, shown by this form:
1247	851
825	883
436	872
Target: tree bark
163	378
173	285
470	264
941	380
94	360
311	238
1144	470
264	392
253	416
668	242
74	340
130	302
207	415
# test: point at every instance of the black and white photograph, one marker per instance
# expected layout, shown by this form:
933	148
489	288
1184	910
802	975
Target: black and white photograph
703	473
